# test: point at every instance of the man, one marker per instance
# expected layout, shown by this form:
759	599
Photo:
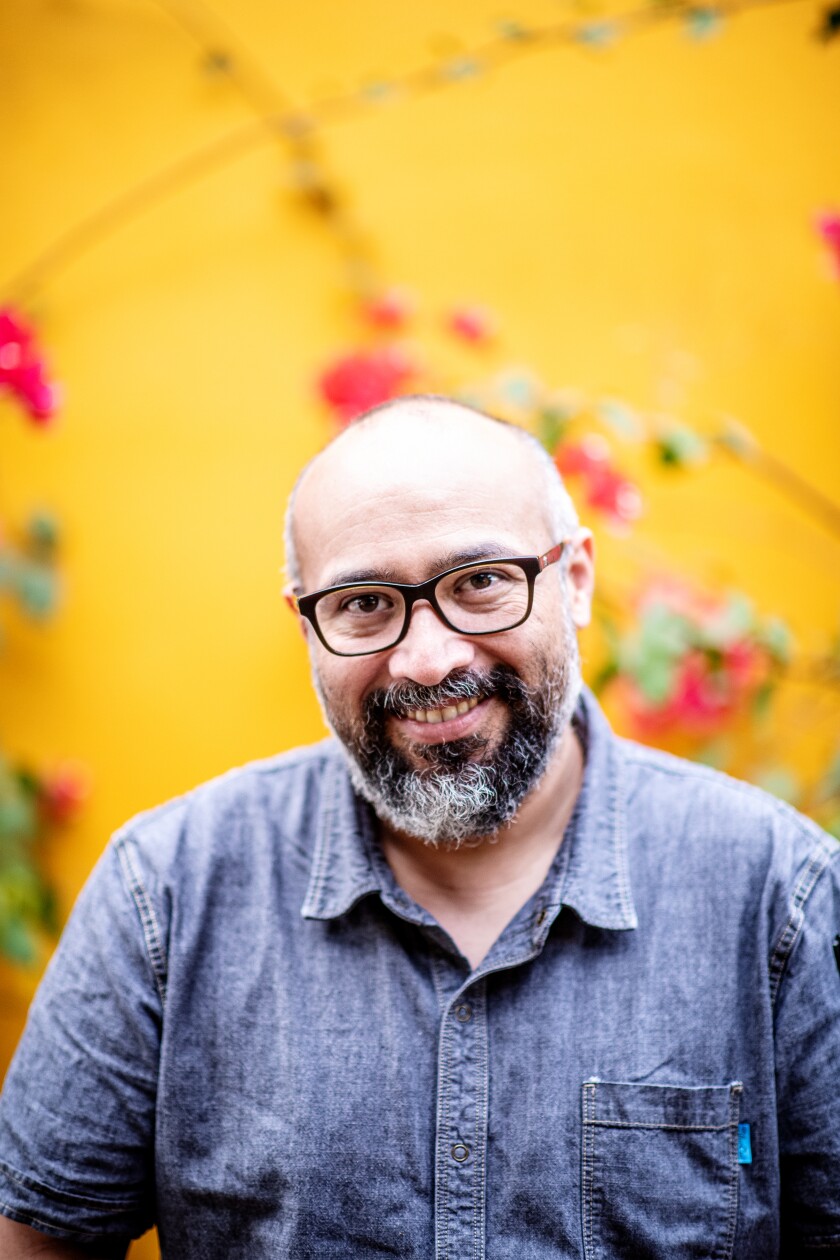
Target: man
479	979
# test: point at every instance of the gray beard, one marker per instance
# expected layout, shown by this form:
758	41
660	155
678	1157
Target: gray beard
467	791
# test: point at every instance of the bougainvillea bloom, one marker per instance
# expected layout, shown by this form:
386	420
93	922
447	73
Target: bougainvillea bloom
694	660
391	309
363	379
604	488
472	323
828	226
706	689
63	793
22	370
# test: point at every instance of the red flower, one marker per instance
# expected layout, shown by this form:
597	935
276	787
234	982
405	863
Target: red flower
363	379
695	662
63	793
472	323
828	226
703	695
22	370
583	458
390	309
604	487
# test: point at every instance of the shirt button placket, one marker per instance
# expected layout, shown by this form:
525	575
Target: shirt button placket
462	1128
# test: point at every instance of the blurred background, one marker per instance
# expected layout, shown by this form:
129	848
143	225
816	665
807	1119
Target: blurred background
227	229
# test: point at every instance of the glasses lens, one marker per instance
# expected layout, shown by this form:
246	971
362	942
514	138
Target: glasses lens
360	618
484	598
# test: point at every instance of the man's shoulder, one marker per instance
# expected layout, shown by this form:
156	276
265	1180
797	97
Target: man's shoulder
264	801
697	809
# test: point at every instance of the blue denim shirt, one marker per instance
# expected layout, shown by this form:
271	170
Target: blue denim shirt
253	1037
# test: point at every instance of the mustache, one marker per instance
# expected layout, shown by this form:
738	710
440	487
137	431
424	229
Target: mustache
463	684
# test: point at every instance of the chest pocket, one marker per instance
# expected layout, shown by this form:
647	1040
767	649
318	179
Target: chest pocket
659	1171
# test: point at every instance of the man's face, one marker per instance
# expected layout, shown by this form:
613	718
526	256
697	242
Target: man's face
445	733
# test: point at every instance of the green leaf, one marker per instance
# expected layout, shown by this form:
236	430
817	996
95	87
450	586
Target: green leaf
17	816
829	784
762	700
782	782
17	941
620	418
717	754
43	533
36	589
656	677
735	621
777	639
552	423
670	631
737	439
678	446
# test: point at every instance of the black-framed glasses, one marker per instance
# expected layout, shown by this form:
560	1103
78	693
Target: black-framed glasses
483	597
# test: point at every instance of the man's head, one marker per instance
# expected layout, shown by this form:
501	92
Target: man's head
445	732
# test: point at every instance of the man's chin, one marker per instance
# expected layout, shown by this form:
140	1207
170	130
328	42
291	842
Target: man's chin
441	751
447	754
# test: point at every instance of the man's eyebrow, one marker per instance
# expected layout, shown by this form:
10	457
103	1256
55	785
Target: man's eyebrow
362	575
464	555
479	551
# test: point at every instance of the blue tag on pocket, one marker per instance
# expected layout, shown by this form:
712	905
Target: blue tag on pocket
744	1145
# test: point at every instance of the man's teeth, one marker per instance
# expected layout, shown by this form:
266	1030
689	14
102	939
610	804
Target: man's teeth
443	715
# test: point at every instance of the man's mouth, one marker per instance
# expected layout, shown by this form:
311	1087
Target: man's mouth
445	714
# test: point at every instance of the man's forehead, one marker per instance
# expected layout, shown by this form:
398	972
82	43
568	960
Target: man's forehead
427	562
435	484
413	449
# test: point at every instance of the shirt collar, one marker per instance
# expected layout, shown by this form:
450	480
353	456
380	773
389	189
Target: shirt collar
593	879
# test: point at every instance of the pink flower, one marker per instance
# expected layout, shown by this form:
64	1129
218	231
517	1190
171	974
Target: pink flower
828	226
614	495
604	488
702	695
472	323
22	369
363	379
584	458
389	309
63	793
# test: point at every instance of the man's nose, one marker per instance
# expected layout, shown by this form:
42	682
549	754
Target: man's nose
430	650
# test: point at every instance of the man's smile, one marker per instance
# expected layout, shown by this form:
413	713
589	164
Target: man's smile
445	714
442	724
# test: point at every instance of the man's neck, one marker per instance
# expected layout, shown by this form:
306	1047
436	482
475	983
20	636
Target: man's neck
473	892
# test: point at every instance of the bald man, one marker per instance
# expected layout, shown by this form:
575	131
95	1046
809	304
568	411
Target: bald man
472	979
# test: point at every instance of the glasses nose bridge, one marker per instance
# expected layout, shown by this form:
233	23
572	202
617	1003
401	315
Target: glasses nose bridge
423	592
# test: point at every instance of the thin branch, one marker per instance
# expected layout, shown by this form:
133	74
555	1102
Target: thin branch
785	479
294	124
128	205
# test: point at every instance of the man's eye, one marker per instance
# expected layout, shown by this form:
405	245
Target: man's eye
478	582
364	604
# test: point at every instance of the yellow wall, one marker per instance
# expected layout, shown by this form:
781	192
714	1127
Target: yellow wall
639	216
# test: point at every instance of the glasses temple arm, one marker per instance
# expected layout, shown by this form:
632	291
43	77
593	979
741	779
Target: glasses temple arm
550	557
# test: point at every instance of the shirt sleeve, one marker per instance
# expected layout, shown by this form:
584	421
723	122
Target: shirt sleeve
808	1064
78	1106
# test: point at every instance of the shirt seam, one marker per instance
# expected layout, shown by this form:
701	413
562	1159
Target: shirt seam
152	936
68	1198
61	1232
817	863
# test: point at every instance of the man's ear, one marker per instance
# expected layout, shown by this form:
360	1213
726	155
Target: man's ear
289	596
581	576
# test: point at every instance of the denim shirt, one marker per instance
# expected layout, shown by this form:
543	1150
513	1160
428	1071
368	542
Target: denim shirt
253	1037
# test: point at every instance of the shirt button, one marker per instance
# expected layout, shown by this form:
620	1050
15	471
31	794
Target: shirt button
541	917
460	1152
463	1013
